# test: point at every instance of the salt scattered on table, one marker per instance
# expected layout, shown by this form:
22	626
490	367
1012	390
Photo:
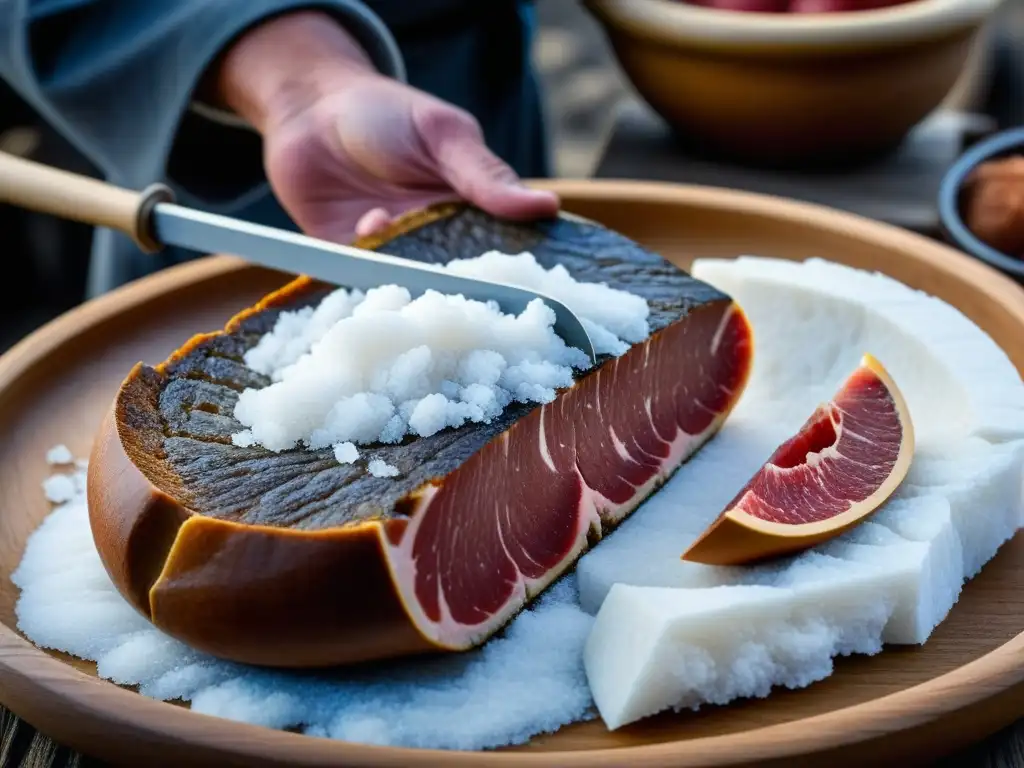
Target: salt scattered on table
59	488
59	455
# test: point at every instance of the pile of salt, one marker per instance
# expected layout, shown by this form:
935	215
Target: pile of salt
373	368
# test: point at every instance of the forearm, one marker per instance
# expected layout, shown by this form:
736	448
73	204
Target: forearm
265	77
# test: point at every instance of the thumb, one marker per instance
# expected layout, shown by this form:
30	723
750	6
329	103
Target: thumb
456	143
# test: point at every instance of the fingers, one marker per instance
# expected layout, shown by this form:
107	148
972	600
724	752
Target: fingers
456	144
372	222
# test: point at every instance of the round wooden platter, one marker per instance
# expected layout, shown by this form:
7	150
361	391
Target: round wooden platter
906	703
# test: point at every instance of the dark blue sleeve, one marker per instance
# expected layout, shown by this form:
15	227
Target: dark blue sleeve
117	78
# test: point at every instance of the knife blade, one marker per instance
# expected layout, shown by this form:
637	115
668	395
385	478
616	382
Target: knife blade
343	265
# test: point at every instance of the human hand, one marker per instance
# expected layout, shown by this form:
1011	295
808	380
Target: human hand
347	149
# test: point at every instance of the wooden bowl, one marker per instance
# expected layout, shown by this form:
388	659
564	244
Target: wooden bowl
793	89
906	703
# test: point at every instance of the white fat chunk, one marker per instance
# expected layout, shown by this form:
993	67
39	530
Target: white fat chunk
914	545
917	337
868	587
654	648
374	367
983	485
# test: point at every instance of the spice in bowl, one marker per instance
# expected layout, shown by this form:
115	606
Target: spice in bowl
993	204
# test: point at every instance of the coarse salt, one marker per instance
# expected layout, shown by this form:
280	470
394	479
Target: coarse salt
374	367
379	468
346	453
59	455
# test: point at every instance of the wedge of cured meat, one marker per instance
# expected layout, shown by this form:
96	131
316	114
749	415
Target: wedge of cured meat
846	460
292	559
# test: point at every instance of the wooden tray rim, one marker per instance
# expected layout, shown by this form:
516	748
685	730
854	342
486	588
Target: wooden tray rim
29	675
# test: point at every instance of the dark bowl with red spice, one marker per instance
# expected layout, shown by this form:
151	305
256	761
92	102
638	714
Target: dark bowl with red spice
961	182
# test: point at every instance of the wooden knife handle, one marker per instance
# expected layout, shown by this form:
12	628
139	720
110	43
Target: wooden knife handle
40	188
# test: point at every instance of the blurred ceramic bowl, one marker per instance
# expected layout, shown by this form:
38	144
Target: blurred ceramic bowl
784	88
951	200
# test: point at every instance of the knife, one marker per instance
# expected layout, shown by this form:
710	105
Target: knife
153	220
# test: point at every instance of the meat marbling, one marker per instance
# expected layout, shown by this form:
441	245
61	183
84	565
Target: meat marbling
291	559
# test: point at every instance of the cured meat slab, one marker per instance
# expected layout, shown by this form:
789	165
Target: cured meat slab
291	559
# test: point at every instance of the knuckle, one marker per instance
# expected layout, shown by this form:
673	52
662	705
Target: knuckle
446	120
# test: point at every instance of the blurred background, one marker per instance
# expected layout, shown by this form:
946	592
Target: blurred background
593	111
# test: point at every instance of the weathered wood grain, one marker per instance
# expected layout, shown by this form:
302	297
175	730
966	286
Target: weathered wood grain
22	746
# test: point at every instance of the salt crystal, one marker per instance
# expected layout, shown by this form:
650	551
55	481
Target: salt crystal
59	454
59	488
346	453
380	468
658	648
